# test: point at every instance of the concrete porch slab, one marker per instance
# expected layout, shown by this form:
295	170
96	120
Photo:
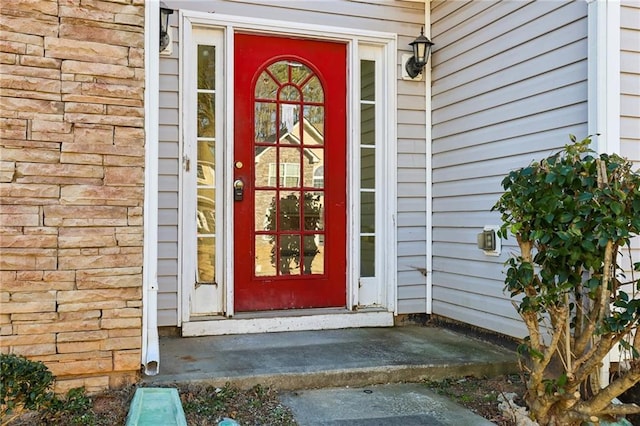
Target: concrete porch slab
329	358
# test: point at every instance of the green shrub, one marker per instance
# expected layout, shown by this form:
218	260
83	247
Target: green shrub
24	384
573	214
28	385
75	409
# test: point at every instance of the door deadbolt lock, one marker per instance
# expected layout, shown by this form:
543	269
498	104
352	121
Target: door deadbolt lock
238	190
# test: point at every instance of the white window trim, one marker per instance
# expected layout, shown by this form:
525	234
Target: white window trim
188	180
387	42
385	179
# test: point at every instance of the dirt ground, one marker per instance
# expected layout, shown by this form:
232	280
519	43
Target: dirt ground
480	395
207	405
203	405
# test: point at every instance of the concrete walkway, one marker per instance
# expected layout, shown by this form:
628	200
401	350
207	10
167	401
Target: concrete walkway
403	404
339	361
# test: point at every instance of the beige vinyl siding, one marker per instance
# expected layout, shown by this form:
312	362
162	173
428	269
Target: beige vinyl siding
412	193
509	86
402	17
168	184
630	80
386	15
630	98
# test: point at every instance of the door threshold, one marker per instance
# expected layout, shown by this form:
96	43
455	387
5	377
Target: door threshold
303	312
287	320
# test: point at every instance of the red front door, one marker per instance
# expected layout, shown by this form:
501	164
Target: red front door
290	173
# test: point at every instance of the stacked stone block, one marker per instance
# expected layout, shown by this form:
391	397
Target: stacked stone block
71	187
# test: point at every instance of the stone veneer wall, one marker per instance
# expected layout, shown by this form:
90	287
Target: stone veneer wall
71	187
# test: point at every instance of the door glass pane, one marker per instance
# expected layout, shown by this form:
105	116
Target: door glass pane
367	80
314	115
289	119
265	210
367	256
367	212
265	122
299	73
206	67
272	179
265	166
314	211
313	259
206	163
265	265
206	260
280	71
289	175
289	93
266	88
318	177
317	264
367	168
289	213
289	167
312	90
367	124
206	219
206	115
313	161
289	255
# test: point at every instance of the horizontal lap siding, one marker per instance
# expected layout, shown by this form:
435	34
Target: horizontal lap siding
630	81
630	96
509	86
412	193
402	18
168	185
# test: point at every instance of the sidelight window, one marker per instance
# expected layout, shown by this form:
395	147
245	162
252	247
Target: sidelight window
206	165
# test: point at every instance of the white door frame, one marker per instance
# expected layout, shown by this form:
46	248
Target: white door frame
382	315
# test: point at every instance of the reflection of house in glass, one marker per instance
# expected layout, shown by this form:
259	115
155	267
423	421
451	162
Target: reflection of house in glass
288	172
205	214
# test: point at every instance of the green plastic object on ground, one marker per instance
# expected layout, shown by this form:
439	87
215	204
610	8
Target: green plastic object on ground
156	406
621	422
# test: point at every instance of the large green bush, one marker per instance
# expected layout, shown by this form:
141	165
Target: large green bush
572	215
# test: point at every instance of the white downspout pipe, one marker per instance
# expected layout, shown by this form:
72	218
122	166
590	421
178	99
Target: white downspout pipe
603	90
150	346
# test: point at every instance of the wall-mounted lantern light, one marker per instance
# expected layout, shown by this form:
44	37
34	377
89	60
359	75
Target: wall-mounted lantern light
164	26
489	241
421	49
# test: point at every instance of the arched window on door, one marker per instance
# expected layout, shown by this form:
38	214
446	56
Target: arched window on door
289	114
